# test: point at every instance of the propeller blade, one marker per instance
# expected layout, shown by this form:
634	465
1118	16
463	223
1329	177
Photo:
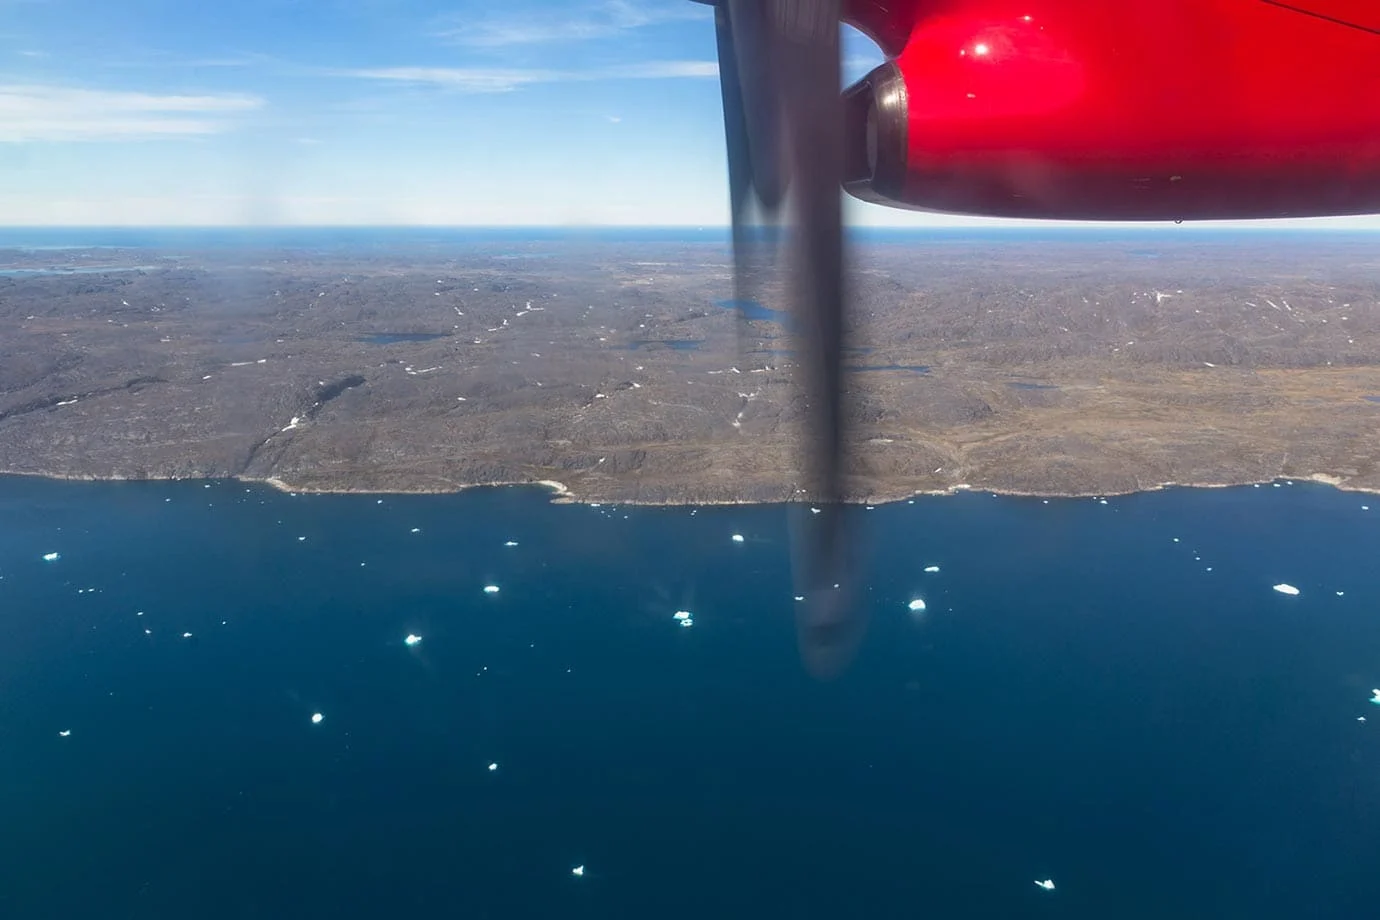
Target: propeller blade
831	622
780	75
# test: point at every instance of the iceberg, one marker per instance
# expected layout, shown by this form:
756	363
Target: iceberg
412	639
916	606
51	557
1047	884
491	589
737	538
1286	589
931	568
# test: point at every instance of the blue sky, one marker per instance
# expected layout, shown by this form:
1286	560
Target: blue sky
367	112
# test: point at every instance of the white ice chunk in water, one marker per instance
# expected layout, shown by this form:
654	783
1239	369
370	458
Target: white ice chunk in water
737	538
931	568
1375	696
51	557
316	718
493	767
578	871
1286	589
491	589
511	543
800	597
412	639
65	733
416	530
1046	884
916	606
681	615
186	635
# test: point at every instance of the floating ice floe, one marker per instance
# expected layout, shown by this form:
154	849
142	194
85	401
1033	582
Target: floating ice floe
1375	696
493	767
491	589
916	606
316	718
1046	884
511	543
301	539
578	871
51	557
931	568
65	733
686	620
1340	593
800	597
416	530
1286	589
412	639
186	635
1360	718
737	538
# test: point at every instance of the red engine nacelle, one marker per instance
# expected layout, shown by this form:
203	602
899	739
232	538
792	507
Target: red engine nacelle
1133	109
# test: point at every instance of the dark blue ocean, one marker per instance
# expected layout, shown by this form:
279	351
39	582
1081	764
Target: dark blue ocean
1144	722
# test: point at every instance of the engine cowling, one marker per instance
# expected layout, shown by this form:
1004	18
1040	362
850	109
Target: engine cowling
1135	110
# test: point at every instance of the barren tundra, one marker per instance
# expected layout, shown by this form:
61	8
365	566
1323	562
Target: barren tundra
1055	365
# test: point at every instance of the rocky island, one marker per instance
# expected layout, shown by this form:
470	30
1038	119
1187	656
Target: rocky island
1055	364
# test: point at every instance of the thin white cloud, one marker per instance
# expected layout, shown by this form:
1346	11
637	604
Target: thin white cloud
609	19
31	112
507	79
463	79
657	70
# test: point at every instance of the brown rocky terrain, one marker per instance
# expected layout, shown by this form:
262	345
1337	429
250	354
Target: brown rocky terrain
1058	365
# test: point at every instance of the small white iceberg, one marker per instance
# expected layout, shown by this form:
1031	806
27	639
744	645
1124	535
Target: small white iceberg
491	589
1375	696
316	718
737	538
686	620
1046	884
511	543
931	568
493	767
578	871
916	606
51	557
412	639
186	635
1286	589
65	733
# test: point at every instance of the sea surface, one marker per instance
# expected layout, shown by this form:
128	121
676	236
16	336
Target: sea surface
1109	695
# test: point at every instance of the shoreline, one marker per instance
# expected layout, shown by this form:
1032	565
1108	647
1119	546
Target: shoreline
561	494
